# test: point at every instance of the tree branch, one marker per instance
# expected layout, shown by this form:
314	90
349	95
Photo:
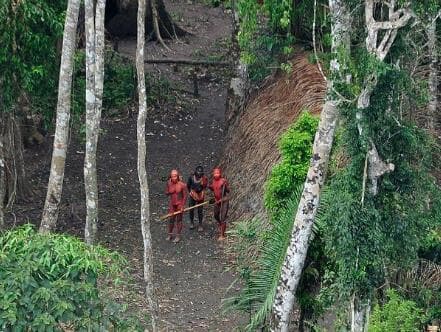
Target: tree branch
394	23
189	62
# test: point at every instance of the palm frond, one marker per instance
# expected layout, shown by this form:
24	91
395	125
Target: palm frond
260	285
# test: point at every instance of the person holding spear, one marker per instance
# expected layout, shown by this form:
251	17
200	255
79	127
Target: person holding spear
219	186
177	192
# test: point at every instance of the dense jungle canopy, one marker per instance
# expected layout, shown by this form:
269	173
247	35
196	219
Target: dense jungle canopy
212	165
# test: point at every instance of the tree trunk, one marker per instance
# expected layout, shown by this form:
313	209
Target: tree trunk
121	20
23	187
18	117
15	182
433	77
309	201
359	315
55	185
142	173
376	166
238	92
94	91
11	160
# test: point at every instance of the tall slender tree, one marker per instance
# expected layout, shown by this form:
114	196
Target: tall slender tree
310	198
55	185
94	21
142	172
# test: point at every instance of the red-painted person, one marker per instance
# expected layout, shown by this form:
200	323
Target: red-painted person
219	186
177	192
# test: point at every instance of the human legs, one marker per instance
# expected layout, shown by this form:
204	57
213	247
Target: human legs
170	226
200	217
179	225
220	214
191	202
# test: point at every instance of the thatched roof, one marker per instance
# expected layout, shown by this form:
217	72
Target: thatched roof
252	148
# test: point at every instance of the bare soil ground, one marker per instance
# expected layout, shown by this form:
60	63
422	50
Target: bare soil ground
191	277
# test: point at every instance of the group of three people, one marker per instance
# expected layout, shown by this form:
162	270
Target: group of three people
196	187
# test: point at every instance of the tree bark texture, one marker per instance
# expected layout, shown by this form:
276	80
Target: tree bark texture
397	19
433	76
359	314
238	91
94	90
141	165
15	182
309	201
55	185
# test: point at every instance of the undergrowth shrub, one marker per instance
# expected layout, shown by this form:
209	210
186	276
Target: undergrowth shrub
51	282
296	148
119	85
397	314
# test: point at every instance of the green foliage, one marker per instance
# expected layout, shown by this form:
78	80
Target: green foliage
296	149
279	13
431	246
269	30
397	314
428	299
426	10
389	229
119	83
119	87
29	31
261	278
49	280
259	46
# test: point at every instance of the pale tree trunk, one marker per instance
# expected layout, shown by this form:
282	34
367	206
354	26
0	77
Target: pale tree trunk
55	185
359	314
433	76
309	201
375	165
94	91
142	172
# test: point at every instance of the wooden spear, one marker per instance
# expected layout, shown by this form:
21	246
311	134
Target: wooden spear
191	208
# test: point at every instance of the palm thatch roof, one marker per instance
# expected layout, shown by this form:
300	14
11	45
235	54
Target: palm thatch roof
252	148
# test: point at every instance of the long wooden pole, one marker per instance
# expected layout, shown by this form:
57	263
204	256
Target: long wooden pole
191	208
190	62
185	210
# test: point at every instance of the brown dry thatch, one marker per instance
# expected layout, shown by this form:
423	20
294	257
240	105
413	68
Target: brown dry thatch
252	148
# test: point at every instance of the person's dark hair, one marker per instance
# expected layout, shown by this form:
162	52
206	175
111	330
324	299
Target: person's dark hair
199	171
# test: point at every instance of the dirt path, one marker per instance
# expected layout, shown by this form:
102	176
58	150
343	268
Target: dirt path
190	277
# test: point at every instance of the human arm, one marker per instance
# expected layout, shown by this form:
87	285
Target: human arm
170	189
204	182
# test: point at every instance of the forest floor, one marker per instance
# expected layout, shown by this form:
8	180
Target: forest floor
191	277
